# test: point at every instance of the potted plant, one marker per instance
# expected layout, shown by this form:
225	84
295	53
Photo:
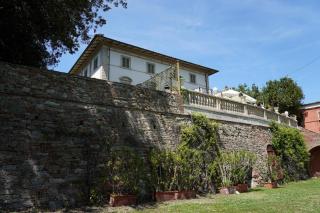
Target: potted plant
225	165
270	174
234	168
243	161
124	169
189	171
175	174
164	174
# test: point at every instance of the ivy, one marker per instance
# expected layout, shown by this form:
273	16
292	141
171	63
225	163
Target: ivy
289	145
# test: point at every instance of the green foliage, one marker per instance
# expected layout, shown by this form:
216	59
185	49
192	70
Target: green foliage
291	149
201	134
163	170
37	33
254	91
200	137
189	172
187	168
234	167
285	94
96	197
125	170
176	170
243	161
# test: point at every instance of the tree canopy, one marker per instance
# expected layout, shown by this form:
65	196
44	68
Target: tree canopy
37	33
252	91
284	93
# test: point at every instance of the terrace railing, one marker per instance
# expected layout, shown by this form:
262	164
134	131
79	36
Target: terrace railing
218	104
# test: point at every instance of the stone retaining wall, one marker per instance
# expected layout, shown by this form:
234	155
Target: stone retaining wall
236	136
55	130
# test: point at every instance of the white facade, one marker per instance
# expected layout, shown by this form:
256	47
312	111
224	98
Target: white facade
109	67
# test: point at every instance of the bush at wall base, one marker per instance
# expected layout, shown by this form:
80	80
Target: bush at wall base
124	174
271	172
171	178
234	168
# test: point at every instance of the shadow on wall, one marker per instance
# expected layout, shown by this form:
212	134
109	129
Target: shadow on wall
56	131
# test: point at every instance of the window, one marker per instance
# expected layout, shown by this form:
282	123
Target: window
319	115
125	62
305	114
150	68
192	78
125	80
85	73
95	63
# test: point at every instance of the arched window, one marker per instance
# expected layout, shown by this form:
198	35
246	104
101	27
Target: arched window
125	80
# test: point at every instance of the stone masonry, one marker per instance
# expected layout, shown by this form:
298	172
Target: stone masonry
55	128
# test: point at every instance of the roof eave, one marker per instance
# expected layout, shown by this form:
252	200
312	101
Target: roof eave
101	40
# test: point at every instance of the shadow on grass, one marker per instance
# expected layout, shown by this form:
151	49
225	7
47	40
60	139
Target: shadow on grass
149	205
256	189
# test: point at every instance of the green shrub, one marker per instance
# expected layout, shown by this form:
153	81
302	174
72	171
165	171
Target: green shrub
201	134
164	167
289	145
125	171
189	168
199	139
243	160
234	167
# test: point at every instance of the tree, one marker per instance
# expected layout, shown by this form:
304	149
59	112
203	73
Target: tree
37	33
254	91
291	148
285	94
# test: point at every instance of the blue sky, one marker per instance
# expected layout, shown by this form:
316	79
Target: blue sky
248	41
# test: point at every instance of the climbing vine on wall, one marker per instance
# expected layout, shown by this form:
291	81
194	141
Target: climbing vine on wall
291	149
201	137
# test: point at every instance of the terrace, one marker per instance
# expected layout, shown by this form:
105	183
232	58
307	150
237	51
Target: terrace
224	109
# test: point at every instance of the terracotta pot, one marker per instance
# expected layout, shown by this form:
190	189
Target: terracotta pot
271	185
122	200
186	194
227	190
242	187
166	196
174	195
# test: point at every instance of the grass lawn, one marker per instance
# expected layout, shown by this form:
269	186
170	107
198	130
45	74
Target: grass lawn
301	196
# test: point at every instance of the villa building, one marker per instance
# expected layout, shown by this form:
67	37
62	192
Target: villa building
311	116
116	61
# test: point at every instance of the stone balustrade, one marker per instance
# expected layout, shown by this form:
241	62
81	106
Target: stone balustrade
229	110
